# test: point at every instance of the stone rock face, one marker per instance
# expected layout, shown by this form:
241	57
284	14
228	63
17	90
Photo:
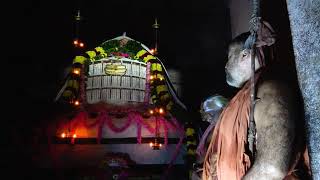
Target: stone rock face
305	27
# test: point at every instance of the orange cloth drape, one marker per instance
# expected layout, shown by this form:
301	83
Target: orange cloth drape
226	153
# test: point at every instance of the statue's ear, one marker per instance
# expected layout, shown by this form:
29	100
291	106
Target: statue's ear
266	35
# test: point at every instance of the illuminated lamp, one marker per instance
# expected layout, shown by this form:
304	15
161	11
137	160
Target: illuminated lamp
76	68
76	42
155	145
81	45
152	51
76	103
151	77
63	135
74	136
161	111
151	111
76	71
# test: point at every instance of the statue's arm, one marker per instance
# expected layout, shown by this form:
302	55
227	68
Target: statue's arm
274	117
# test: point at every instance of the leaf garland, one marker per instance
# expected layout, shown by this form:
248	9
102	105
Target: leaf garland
131	48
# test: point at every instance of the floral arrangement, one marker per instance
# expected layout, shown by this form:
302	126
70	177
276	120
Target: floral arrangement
126	48
104	119
116	48
156	88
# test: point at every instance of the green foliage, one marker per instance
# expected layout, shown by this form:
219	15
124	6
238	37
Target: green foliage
133	47
113	46
110	44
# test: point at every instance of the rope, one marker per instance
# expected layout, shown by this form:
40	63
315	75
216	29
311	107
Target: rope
250	44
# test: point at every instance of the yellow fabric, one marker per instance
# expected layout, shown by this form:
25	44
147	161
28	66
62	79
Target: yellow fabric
191	152
149	57
73	83
67	93
91	55
161	88
101	51
160	76
79	59
141	53
164	97
156	67
154	98
169	105
190	132
191	143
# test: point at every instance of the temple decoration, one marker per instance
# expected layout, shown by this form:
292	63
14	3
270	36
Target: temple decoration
120	91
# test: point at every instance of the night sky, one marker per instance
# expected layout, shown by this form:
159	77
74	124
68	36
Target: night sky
193	39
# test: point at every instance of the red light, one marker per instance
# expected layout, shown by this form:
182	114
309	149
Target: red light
63	135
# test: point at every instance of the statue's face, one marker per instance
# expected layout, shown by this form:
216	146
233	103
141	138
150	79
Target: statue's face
238	67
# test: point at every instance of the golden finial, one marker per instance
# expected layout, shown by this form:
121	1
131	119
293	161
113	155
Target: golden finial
156	25
78	16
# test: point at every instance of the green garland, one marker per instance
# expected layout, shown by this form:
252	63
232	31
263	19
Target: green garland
113	46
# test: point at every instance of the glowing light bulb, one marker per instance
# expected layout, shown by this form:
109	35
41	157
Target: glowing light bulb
151	77
74	135
160	145
63	135
76	71
151	144
75	42
77	103
81	45
152	51
161	111
151	111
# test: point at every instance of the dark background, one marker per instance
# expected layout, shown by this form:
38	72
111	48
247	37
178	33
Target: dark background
38	48
194	35
193	39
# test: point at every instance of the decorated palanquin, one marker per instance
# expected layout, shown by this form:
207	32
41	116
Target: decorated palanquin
123	103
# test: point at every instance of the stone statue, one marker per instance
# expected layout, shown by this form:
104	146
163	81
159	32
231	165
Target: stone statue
277	115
